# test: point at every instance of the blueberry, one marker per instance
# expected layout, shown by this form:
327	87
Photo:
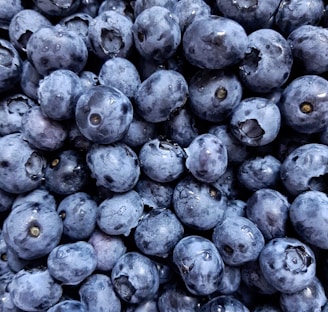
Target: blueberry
56	47
10	64
224	303
175	297
23	25
21	167
187	11
268	61
288	140
235	207
214	94
181	127
97	293
252	277
34	198
71	263
140	131
121	6
305	169
308	48
141	5
162	161
6	200
66	172
231	280
207	158
58	94
302	104
110	35
228	183
311	298
269	209
76	139
6	302
7	11
50	135
30	79
148	305
308	216
256	121
90	7
293	14
68	305
165	271
122	74
109	248
32	229
213	35
238	240
252	15
199	263
197	204
155	194
287	264
79	22
259	172
12	110
88	79
103	114
79	213
35	290
156	33
160	95
119	214
57	7
158	232
135	277
4	266
115	167
237	151
16	263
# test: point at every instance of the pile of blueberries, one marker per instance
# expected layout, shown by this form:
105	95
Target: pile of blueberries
163	155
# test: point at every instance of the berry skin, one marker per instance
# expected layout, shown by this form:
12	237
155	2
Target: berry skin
79	260
303	104
287	264
35	290
214	94
65	50
114	167
160	95
308	214
103	114
119	214
156	33
33	229
21	167
207	158
267	63
305	169
211	36
110	35
199	263
135	277
238	240
162	161
256	121
158	232
10	65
